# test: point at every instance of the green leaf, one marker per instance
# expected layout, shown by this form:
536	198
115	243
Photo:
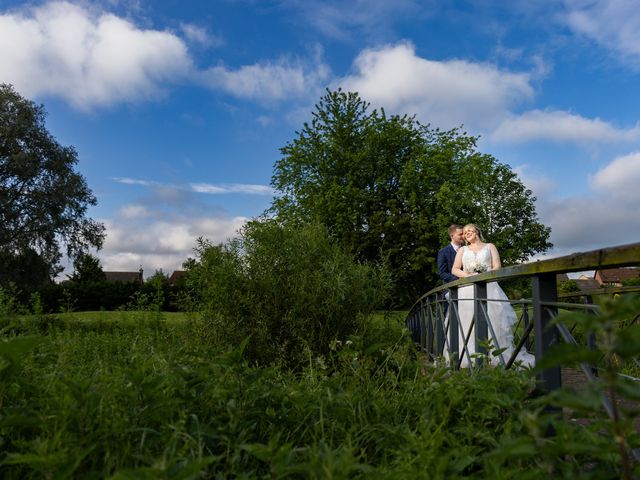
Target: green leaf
567	355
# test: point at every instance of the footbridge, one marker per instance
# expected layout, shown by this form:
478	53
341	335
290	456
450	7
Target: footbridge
435	325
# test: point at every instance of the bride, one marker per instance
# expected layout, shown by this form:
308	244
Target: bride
479	257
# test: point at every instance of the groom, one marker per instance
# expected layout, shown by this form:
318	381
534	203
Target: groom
447	255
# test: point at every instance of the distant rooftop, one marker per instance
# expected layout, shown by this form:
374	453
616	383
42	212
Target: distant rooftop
124	277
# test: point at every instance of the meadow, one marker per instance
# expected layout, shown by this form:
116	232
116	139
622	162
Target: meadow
145	394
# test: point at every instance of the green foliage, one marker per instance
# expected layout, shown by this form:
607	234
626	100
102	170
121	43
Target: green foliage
42	199
27	270
388	187
157	288
568	286
617	347
288	290
87	269
8	304
142	397
87	296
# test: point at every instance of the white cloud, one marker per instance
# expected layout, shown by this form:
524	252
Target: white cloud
232	188
341	20
200	35
172	191
134	181
134	211
86	57
561	126
268	81
144	240
621	178
444	93
615	24
540	185
606	217
586	223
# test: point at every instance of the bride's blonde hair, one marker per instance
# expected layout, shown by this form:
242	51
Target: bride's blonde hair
477	230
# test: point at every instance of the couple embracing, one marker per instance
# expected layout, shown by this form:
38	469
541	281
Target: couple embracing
469	254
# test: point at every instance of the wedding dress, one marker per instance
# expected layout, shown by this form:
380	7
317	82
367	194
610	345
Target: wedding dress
502	317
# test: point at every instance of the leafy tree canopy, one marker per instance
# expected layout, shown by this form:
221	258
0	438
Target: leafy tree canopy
287	291
87	268
388	186
43	200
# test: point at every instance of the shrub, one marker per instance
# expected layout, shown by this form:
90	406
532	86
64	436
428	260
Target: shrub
88	296
291	291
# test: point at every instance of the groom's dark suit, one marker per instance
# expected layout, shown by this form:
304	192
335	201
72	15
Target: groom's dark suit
446	257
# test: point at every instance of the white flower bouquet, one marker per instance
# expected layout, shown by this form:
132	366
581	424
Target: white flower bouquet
477	267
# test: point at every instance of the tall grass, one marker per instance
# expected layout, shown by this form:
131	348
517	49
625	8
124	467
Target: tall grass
143	395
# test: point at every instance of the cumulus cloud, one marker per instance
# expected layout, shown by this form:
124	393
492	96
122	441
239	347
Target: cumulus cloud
584	223
621	178
615	24
444	93
137	237
92	58
605	217
268	81
540	185
561	126
200	35
87	57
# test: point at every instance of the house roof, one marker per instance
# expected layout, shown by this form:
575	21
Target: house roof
586	284
124	276
176	276
616	275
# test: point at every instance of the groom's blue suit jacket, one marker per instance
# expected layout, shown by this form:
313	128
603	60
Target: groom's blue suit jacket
446	256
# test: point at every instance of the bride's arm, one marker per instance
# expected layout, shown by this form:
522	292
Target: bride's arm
495	257
457	265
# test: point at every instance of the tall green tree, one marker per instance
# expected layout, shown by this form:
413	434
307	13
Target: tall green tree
87	268
43	200
388	187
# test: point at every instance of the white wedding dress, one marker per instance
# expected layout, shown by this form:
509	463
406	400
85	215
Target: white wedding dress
502	317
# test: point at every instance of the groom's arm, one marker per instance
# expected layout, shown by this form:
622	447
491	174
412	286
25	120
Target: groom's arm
444	270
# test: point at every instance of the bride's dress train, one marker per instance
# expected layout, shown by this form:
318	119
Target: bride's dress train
502	317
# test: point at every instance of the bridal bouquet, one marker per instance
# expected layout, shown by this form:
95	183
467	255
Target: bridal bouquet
477	267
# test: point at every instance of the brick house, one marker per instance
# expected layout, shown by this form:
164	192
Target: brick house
125	277
177	276
613	277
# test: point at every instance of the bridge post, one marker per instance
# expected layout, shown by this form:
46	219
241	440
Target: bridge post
429	333
454	349
422	315
480	313
525	318
544	292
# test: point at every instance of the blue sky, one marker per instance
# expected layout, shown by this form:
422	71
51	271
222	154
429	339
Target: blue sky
178	108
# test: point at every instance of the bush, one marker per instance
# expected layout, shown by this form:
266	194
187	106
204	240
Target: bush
289	291
88	296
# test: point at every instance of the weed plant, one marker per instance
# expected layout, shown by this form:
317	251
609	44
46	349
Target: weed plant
149	397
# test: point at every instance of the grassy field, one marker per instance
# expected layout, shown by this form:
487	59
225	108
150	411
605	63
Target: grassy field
148	395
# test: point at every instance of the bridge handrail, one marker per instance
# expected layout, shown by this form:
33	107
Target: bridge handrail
426	318
620	256
434	331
